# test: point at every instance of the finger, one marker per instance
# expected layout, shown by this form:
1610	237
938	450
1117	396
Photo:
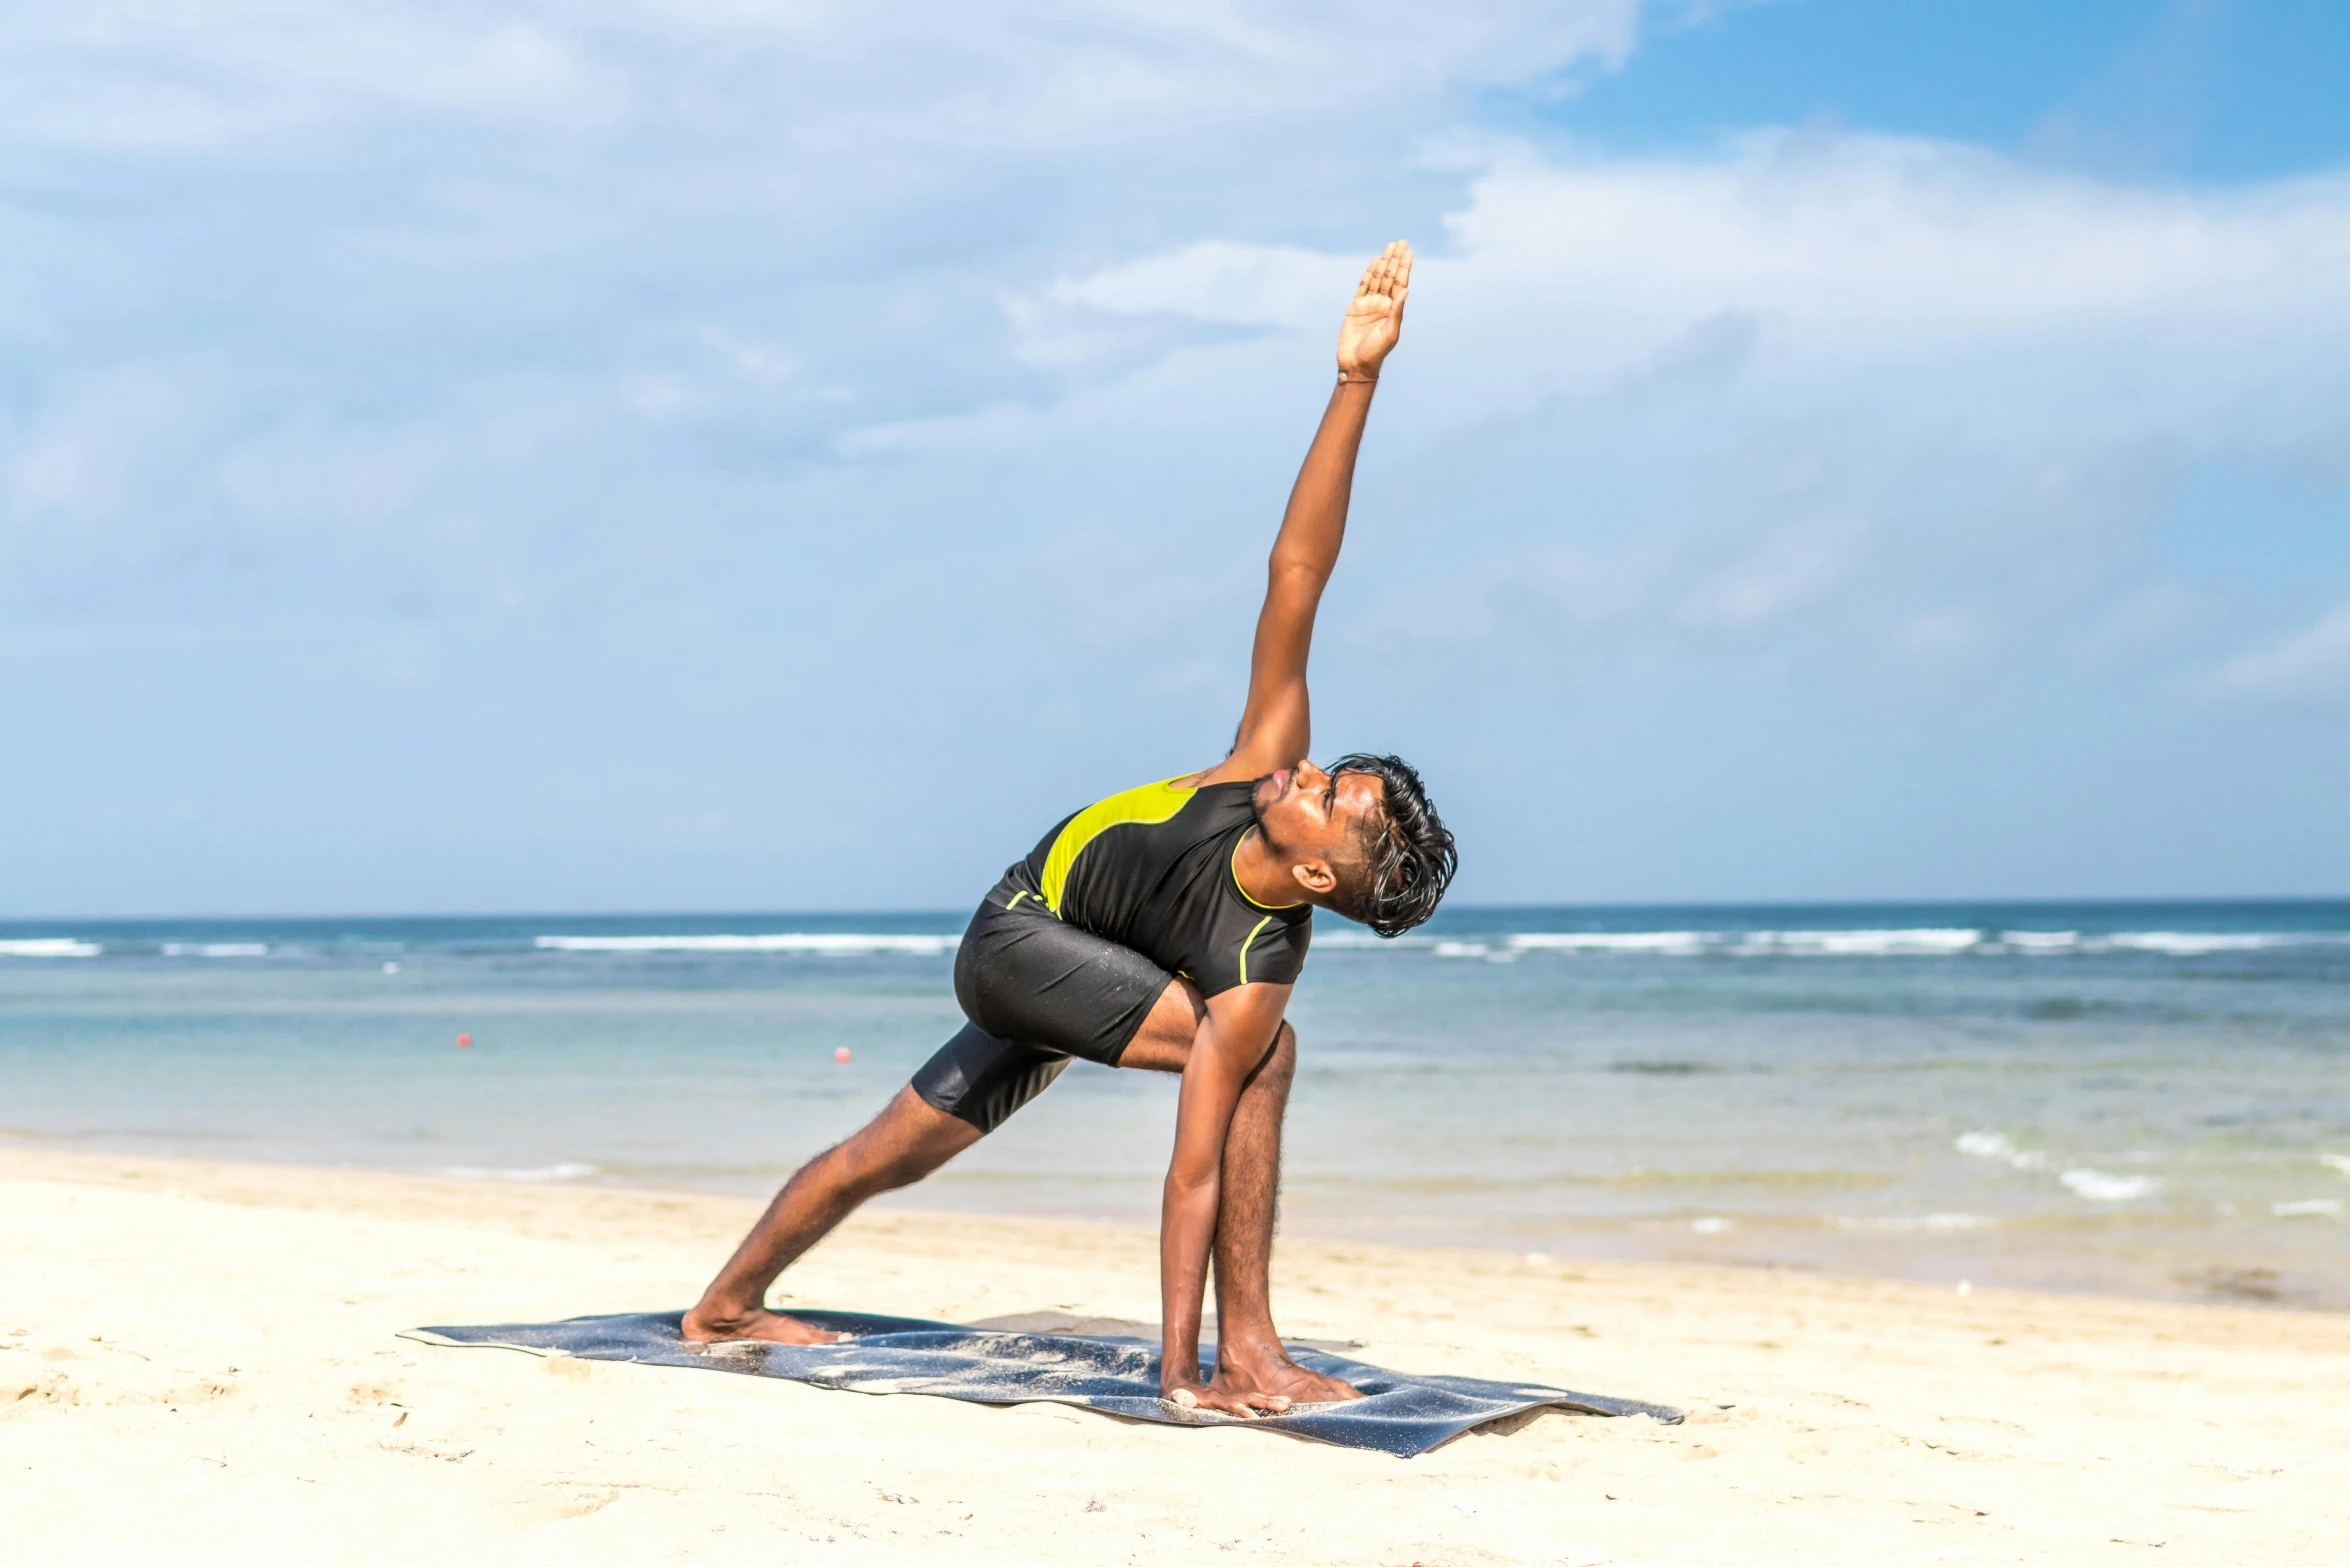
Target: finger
1403	265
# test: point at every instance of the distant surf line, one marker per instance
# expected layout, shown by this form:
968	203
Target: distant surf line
1924	941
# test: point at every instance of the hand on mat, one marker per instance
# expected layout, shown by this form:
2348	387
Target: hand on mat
1249	1406
767	1327
1375	318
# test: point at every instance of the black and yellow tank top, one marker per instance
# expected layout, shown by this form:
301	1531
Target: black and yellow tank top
1151	869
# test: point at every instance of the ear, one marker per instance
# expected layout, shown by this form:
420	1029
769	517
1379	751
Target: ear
1314	876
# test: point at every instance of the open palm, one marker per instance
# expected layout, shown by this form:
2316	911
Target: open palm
1374	320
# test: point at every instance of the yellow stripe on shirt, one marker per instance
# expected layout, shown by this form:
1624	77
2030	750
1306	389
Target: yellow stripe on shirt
1252	941
1148	805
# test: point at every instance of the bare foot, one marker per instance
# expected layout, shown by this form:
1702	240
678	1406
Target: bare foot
771	1327
1240	1371
1248	1406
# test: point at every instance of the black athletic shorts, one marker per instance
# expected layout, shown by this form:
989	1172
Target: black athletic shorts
1038	992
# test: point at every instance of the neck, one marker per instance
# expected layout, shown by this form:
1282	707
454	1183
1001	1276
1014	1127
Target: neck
1264	875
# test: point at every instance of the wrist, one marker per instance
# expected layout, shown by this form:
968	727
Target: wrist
1358	376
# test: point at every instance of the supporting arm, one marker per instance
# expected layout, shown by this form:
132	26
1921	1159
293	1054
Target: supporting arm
1235	1035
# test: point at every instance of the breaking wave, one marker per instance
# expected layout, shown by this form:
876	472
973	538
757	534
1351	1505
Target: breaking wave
840	944
2098	1186
49	947
539	1172
1909	942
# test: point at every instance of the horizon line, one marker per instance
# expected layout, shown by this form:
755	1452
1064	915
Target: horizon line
2042	900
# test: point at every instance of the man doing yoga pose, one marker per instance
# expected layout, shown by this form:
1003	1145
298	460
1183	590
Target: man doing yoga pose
1164	928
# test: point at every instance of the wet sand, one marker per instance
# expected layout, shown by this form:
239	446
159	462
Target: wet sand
198	1361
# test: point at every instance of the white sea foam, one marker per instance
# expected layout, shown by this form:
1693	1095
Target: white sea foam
1920	1221
216	949
2307	1208
2040	941
49	947
1899	942
1713	1224
2193	944
1674	942
542	1172
1924	942
2098	1186
2335	1161
830	944
1995	1145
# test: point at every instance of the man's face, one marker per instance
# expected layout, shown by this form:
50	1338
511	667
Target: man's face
1311	817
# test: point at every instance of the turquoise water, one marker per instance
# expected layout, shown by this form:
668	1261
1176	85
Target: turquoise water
2149	1098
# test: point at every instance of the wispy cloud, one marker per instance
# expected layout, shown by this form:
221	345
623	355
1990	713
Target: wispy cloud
2313	664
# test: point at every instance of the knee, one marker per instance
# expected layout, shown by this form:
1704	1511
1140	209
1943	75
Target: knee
1280	1061
871	1163
869	1173
1184	1005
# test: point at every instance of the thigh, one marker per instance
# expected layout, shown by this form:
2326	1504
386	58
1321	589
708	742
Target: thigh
1163	1043
1032	978
980	1079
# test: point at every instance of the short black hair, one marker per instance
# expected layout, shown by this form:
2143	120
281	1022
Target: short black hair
1408	857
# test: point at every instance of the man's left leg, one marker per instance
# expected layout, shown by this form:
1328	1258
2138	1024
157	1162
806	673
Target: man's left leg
1249	1356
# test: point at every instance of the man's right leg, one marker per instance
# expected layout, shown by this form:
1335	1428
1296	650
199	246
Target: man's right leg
898	1147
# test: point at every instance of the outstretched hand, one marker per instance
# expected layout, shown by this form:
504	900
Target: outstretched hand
1374	321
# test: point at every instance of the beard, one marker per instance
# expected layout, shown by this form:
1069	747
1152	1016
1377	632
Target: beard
1256	809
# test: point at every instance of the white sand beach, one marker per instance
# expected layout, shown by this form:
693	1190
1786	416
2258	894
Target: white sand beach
198	1364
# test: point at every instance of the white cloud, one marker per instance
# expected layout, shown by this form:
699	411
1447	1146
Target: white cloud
816	73
1792	567
2312	664
2144	618
146	74
1847	379
1850	251
98	435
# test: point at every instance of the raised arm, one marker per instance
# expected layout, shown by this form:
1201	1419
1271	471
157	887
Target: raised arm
1276	728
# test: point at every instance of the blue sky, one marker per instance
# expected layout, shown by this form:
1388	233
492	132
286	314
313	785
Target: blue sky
734	454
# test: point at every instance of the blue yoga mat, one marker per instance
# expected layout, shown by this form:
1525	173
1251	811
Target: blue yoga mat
1399	1414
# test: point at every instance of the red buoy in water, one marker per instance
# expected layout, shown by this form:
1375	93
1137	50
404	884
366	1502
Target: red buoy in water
841	1055
465	1041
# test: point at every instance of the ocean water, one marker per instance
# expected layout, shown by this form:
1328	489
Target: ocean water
2135	1097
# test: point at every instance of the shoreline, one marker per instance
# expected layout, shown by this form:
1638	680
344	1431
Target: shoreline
2014	1258
225	1331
